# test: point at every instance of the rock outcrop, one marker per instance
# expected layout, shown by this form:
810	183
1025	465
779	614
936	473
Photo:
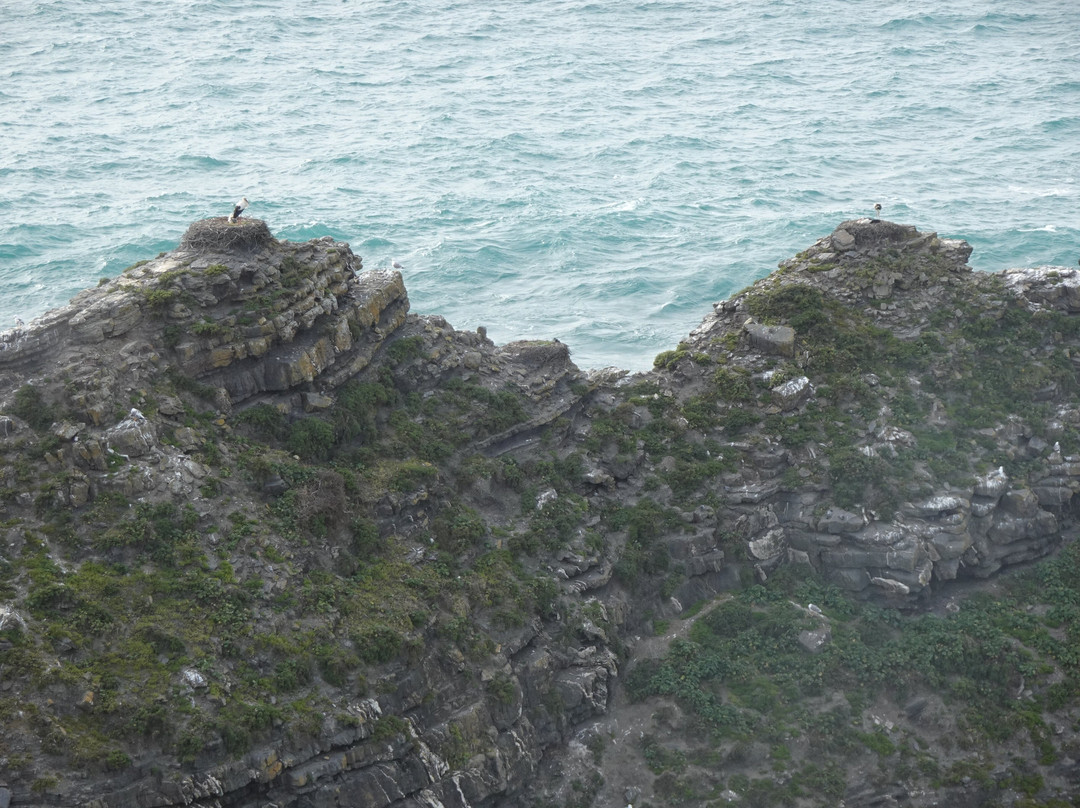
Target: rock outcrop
883	285
269	538
241	315
104	390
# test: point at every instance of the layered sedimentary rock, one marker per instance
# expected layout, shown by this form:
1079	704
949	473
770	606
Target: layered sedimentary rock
900	281
846	413
231	308
231	319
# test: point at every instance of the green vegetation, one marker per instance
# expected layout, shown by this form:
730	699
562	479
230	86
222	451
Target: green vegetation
207	328
311	439
159	298
136	595
743	675
157	605
294	273
405	350
31	407
643	554
458	528
267	421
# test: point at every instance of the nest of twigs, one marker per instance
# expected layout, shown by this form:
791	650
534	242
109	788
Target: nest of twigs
221	235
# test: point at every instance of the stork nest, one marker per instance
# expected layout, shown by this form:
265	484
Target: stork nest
221	235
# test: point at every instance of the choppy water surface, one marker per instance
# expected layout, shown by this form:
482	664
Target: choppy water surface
596	172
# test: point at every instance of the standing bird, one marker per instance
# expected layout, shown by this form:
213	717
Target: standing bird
241	206
877	208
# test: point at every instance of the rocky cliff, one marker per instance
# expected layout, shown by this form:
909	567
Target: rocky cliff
931	361
269	538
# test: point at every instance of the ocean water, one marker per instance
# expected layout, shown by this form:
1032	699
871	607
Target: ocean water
599	172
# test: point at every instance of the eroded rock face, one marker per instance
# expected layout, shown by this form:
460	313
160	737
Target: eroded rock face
230	309
744	451
780	499
410	768
226	322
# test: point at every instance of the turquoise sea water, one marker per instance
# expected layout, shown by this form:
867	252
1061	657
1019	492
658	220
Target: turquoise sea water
600	172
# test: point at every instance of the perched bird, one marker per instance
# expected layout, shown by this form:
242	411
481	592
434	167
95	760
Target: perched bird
241	206
877	208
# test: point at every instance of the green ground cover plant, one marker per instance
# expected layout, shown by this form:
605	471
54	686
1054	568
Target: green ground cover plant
743	675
